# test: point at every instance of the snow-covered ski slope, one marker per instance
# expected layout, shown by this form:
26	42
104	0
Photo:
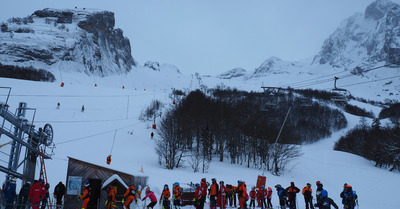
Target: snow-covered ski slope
89	136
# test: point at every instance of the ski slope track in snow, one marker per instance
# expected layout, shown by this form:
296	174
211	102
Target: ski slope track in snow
89	135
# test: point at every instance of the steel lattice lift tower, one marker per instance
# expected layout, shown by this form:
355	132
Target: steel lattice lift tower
38	143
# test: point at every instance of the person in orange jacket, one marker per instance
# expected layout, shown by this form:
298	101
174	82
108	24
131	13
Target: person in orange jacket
307	192
242	193
85	196
292	191
213	192
129	196
164	198
177	195
111	201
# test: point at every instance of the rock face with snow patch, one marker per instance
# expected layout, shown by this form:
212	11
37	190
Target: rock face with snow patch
68	40
234	73
365	39
273	65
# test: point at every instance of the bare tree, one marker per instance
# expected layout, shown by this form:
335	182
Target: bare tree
168	146
281	154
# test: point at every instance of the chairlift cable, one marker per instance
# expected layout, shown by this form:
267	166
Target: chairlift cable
112	147
300	85
93	135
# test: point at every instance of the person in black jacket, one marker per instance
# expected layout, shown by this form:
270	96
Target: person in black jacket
319	189
23	196
292	190
349	197
325	202
46	197
59	192
307	192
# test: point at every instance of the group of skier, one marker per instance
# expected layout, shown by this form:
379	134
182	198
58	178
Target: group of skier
221	195
36	196
287	197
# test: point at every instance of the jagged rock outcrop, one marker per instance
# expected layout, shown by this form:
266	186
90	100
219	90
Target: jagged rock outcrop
234	73
68	40
364	39
163	67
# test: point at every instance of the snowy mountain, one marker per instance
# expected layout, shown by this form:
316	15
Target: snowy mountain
365	39
364	49
79	40
274	65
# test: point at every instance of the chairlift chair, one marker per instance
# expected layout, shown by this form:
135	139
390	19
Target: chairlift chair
340	95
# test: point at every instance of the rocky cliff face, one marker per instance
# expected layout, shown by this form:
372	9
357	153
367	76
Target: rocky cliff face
364	39
67	40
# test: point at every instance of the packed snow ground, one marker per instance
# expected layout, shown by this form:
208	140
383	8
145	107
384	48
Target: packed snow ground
89	136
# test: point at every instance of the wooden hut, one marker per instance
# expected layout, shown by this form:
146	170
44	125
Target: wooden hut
100	178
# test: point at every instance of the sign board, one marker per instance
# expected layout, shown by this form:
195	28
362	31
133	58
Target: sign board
74	185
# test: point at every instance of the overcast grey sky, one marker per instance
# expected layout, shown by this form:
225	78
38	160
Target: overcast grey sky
214	36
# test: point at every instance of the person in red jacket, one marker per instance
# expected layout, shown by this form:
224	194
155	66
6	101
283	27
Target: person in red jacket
151	196
85	196
262	196
37	193
203	189
222	195
197	196
269	197
252	197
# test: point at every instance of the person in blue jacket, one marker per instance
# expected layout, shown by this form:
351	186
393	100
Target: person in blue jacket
9	193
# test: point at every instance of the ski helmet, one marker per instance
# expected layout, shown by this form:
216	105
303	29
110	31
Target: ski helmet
318	182
278	186
221	182
262	187
269	189
166	186
176	183
308	184
213	180
240	182
324	193
197	185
